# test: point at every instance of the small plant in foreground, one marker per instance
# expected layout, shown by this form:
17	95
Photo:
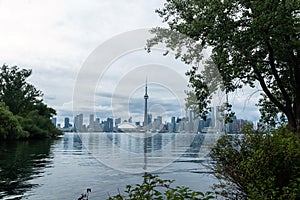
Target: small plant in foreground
85	196
155	188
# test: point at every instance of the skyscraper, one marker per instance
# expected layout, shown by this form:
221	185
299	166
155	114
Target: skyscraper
91	122
146	110
173	130
78	123
54	121
108	125
67	122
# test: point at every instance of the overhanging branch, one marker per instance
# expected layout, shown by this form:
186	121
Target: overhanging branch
268	93
275	73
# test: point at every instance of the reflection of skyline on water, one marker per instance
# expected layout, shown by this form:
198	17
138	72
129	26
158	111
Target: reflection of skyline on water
135	144
72	142
130	152
63	168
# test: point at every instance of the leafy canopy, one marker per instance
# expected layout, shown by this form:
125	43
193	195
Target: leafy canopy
19	95
10	127
23	112
252	42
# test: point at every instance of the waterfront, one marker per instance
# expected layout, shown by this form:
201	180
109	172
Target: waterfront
105	162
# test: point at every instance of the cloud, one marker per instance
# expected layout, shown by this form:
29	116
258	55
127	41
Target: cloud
244	103
55	38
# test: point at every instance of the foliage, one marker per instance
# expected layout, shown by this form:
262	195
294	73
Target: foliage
24	113
205	84
252	42
155	188
38	125
270	115
18	95
10	127
258	165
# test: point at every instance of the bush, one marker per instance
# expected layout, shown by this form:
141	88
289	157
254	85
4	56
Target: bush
10	127
258	165
155	188
39	126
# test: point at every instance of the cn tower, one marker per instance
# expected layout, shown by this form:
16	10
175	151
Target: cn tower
145	111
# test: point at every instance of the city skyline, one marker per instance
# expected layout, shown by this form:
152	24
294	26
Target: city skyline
213	124
57	40
93	123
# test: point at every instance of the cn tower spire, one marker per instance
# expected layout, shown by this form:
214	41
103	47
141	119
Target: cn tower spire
146	107
146	88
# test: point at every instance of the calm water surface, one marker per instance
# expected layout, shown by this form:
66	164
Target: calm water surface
64	168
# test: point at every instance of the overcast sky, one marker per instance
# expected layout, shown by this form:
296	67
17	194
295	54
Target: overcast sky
57	38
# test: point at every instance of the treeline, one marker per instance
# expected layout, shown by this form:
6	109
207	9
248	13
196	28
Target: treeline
22	111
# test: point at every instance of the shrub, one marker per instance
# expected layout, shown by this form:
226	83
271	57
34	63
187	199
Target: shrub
10	127
258	165
155	188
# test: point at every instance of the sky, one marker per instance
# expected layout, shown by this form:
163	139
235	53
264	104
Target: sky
88	56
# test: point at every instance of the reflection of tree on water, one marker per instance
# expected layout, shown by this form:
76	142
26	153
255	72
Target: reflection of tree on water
135	142
20	162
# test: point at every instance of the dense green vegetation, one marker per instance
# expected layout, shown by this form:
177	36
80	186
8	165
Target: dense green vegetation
258	165
22	111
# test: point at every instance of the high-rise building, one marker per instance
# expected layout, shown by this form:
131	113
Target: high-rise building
213	118
159	118
219	119
97	127
173	125
67	122
91	121
190	126
117	121
54	120
157	123
149	121
108	125
78	123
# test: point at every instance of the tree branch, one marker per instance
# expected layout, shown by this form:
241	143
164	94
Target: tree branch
268	93
276	76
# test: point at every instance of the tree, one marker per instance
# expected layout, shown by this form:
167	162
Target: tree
19	95
25	115
258	165
10	127
252	42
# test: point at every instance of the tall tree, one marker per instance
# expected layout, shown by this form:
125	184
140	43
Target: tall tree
24	113
252	42
19	95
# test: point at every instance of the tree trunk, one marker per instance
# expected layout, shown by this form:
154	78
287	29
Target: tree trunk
291	123
297	114
293	117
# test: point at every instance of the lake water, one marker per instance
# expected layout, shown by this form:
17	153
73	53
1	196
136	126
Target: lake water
104	162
